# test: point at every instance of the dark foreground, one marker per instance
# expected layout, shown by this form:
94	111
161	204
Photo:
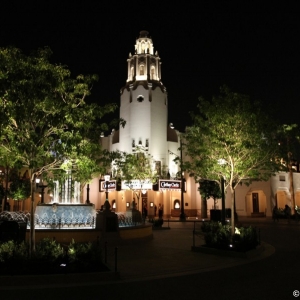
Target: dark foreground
166	268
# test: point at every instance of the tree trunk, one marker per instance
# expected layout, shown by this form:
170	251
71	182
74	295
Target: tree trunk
32	229
232	212
203	208
291	177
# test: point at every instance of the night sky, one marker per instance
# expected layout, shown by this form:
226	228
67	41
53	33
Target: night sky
253	49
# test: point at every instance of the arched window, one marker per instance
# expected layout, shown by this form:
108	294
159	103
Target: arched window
176	204
152	73
142	69
113	205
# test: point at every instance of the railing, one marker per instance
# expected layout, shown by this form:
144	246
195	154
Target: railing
64	223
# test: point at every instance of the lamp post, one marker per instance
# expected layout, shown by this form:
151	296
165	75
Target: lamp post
87	194
106	203
42	187
182	214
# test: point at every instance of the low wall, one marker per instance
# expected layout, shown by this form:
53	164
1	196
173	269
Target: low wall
143	232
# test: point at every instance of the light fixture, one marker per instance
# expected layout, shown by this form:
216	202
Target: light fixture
171	126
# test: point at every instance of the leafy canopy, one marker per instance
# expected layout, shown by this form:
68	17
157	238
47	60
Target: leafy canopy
45	119
233	138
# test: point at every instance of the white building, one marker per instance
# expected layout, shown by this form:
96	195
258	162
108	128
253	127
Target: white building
144	106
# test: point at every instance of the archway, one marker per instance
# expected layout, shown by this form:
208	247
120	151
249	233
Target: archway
256	203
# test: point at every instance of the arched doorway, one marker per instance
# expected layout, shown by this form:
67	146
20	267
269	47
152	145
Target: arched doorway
256	203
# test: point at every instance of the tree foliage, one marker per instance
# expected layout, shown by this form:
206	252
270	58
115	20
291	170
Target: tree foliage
19	188
45	119
138	166
288	137
231	138
210	189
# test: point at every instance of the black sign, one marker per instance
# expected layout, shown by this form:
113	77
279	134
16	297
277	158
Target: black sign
111	186
171	185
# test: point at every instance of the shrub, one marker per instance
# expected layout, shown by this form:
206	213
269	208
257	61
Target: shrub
49	254
245	239
219	236
84	255
216	235
48	249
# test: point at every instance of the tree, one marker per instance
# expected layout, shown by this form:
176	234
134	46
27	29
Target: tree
136	170
231	139
9	163
19	188
208	189
289	142
45	115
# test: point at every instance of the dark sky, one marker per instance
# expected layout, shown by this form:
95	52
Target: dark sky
253	49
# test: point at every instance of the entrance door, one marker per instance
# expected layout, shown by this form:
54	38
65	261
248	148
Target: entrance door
255	202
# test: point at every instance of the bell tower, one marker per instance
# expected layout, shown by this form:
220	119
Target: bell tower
144	103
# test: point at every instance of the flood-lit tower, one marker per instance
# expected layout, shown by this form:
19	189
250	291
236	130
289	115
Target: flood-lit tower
144	103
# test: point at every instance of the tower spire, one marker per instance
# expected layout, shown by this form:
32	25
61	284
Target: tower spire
144	64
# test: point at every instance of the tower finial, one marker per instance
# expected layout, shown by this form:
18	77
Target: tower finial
144	33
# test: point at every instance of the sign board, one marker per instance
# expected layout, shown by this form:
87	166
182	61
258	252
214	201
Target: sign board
137	185
112	185
170	185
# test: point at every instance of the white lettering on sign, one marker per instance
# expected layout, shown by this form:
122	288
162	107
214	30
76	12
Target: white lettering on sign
137	185
171	185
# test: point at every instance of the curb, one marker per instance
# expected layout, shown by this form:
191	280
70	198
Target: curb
228	253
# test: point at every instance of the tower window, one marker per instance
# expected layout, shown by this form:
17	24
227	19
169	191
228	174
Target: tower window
141	69
281	178
152	73
140	98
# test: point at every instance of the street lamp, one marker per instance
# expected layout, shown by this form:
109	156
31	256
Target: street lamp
106	204
182	214
222	162
42	187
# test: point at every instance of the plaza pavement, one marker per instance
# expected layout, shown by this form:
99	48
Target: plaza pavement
167	255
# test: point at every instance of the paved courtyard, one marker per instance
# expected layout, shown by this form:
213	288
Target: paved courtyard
165	267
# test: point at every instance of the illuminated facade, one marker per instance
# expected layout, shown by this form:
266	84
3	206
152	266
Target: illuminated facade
144	106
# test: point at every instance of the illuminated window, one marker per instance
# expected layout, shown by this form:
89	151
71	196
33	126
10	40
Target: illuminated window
176	204
152	74
141	69
281	178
